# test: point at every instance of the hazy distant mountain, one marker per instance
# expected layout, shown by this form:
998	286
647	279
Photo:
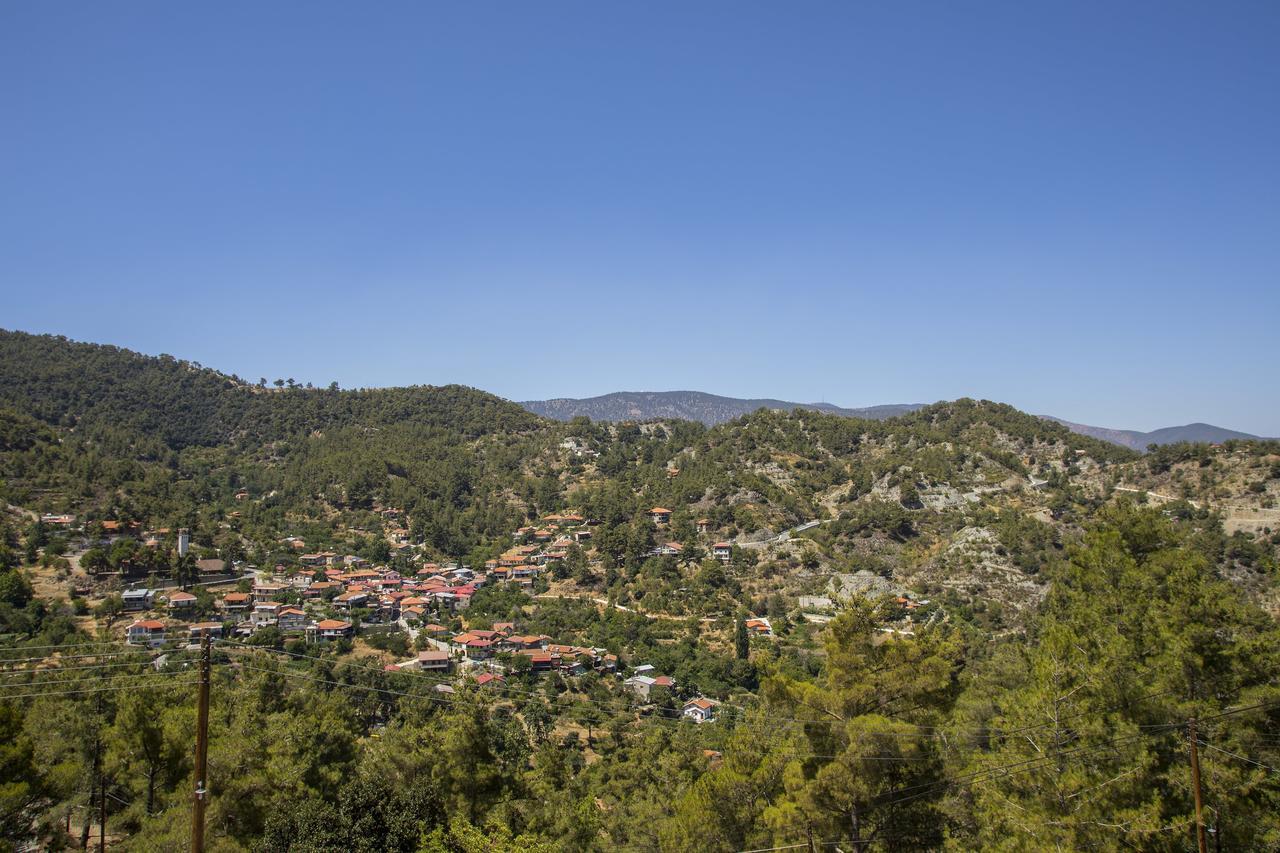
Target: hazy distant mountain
1166	435
710	409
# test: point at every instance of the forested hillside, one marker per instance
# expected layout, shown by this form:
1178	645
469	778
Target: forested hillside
964	627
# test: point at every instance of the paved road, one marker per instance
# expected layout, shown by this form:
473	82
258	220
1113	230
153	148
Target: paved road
786	534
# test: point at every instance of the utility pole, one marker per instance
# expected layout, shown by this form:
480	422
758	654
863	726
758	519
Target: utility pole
202	748
102	816
1195	786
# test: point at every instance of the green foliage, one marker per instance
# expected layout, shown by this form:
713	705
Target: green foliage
876	732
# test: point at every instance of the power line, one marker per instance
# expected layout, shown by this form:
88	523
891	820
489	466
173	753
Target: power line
98	655
1241	757
434	681
76	645
87	679
79	692
57	669
1026	765
344	685
659	715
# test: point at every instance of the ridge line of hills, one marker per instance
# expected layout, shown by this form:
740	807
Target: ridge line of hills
713	409
194	404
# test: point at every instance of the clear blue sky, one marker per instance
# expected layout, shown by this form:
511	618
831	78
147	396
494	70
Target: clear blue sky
1071	207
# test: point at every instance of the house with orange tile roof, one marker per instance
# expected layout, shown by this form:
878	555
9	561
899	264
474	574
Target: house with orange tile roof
145	632
291	620
329	629
236	602
700	710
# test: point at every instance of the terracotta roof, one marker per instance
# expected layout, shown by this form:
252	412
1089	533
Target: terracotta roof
332	624
149	624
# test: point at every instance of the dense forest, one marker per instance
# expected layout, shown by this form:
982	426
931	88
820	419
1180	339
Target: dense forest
1080	615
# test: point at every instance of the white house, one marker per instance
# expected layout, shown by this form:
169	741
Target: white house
145	632
700	710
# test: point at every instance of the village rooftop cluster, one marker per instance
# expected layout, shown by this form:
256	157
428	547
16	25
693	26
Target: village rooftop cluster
334	597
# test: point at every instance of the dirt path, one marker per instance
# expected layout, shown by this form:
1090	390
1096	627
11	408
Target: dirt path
605	603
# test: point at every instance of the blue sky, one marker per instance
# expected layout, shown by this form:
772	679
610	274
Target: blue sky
1074	208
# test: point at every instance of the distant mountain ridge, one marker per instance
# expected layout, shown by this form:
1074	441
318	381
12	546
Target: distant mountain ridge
712	409
1137	440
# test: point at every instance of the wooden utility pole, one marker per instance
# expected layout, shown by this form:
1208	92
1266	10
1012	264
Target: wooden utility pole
1195	786
202	749
102	816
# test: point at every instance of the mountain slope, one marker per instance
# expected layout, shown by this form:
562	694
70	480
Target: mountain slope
710	409
93	387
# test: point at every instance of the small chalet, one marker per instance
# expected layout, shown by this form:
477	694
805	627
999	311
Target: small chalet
265	613
349	600
647	687
196	630
235	602
138	599
540	659
722	551
478	649
434	661
266	591
291	619
181	600
329	629
145	632
660	515
700	710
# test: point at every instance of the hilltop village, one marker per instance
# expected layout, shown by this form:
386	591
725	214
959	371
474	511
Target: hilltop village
338	600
